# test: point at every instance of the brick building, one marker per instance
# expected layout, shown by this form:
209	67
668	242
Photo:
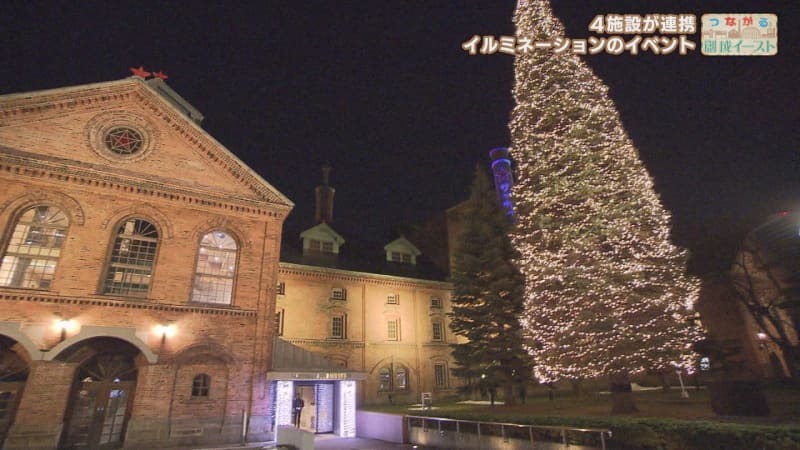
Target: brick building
138	273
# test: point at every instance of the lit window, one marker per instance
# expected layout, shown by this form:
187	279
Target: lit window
401	379
200	385
393	299
339	326
385	379
132	257
440	375
30	259
393	330
216	269
393	378
280	288
438	331
338	294
436	302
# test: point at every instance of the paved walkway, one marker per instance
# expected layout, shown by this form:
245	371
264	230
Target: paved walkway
322	442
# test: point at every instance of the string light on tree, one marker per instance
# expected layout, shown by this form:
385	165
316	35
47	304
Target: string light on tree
606	291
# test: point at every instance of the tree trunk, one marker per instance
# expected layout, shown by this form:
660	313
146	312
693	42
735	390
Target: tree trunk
622	401
665	387
577	388
508	394
791	355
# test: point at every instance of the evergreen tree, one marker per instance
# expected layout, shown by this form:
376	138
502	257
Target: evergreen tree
606	291
488	296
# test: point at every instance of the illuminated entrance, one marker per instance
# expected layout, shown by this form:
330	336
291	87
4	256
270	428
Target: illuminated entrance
101	398
326	392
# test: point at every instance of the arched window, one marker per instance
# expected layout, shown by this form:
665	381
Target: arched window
131	265
393	378
200	385
30	258
385	379
400	379
216	268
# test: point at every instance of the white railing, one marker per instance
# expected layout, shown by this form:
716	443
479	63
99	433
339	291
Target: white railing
490	435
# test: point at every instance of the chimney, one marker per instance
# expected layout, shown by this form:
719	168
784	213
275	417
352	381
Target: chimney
324	196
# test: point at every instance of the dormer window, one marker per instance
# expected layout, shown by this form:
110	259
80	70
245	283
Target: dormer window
401	251
398	257
321	239
317	245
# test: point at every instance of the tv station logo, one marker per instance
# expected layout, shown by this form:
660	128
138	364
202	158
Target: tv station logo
739	34
721	34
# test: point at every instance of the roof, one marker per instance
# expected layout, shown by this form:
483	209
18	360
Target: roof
360	254
292	362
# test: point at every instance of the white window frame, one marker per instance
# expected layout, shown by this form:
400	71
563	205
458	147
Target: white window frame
342	333
440	375
338	293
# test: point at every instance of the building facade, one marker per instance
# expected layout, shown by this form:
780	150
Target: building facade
393	329
138	273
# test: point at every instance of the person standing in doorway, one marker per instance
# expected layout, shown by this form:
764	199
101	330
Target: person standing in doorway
297	409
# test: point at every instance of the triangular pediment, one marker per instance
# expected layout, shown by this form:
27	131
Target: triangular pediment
323	231
129	128
402	244
402	250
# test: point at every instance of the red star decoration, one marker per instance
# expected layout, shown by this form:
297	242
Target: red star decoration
140	72
160	74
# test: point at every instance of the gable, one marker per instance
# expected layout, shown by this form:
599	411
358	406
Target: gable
320	234
401	246
125	128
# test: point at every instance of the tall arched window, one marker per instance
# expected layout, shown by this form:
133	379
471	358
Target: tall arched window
131	265
30	258
393	378
216	268
385	382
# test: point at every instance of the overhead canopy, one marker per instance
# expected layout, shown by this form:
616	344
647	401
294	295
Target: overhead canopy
290	362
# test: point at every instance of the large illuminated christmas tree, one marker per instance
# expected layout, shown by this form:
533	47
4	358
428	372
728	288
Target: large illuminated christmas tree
606	291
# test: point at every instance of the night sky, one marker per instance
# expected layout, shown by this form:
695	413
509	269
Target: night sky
385	94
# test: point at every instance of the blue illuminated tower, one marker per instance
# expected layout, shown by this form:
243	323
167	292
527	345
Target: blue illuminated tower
503	177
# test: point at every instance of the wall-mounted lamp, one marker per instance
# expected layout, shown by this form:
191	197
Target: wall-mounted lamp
165	331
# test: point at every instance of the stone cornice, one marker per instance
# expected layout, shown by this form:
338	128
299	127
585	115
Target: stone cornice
43	297
326	273
19	164
17	108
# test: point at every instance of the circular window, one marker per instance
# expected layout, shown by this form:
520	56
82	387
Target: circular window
121	136
123	141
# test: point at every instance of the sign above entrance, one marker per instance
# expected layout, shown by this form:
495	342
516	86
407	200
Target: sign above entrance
316	375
